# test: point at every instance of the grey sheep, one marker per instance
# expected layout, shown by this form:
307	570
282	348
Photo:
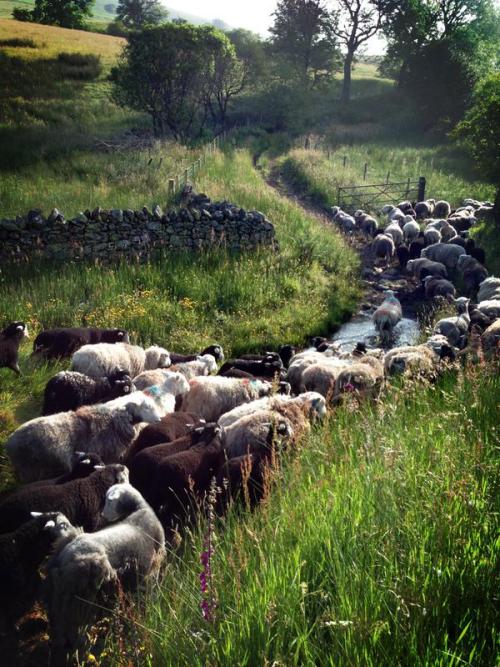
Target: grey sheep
364	378
442	209
212	396
435	286
490	340
432	235
455	328
383	246
418	360
21	554
102	359
69	390
417	266
490	307
446	253
489	289
81	500
411	230
424	209
10	339
387	316
45	447
127	551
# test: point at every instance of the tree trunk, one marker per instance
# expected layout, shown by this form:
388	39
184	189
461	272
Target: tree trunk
346	84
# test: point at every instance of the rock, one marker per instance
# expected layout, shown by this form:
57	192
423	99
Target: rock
54	214
81	217
116	215
157	212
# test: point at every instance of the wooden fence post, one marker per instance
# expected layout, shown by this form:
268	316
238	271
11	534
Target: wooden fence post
171	186
345	160
388	176
186	176
366	169
408	187
421	188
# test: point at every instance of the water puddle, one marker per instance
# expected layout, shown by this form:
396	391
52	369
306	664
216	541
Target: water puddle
361	330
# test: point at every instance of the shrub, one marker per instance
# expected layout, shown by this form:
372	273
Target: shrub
117	29
22	14
17	42
81	66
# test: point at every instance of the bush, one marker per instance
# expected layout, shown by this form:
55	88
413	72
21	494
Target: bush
18	43
80	66
22	14
117	28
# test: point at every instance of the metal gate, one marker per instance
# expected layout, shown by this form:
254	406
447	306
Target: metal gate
373	197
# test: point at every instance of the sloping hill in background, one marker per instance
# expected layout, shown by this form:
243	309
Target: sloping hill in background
104	11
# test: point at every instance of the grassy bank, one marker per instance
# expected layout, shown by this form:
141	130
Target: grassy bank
377	547
448	171
246	302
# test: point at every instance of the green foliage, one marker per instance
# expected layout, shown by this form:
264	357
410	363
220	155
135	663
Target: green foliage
178	73
21	14
376	545
80	66
18	43
448	172
135	14
303	41
63	13
479	131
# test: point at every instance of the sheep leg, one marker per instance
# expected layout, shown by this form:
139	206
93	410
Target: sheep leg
15	367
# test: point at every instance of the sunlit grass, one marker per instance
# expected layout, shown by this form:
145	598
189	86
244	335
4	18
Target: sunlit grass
376	547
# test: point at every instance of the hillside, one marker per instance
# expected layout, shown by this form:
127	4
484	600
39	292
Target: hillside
104	11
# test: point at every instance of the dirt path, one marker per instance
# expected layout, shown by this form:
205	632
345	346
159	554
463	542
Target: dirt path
374	280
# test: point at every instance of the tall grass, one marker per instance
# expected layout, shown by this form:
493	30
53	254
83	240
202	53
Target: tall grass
448	172
246	302
376	547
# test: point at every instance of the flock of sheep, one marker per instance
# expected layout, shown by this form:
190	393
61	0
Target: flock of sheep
131	439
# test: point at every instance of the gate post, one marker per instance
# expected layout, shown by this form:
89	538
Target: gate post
421	188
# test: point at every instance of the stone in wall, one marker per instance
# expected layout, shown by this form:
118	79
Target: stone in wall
107	235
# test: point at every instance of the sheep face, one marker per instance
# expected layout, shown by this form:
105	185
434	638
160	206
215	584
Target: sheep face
17	330
210	362
57	526
215	350
121	501
143	409
157	357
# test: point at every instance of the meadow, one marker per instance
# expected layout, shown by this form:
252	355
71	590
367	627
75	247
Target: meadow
245	302
374	546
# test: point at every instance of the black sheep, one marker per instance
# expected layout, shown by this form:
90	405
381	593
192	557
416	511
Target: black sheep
286	352
403	254
21	554
215	350
241	478
81	500
268	357
186	476
69	390
10	340
65	341
478	253
416	248
265	369
171	427
145	463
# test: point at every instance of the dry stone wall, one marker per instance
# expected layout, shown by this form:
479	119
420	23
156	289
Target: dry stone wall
110	234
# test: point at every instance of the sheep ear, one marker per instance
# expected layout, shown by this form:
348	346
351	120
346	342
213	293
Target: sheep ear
99	467
50	524
20	327
79	454
35	514
120	334
86	461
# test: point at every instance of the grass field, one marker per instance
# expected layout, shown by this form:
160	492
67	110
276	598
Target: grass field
376	547
245	302
448	171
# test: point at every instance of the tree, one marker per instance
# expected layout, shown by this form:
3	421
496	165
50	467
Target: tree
303	39
250	51
135	14
358	21
63	13
181	74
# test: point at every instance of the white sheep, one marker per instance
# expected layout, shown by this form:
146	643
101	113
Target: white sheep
257	433
345	221
310	402
387	316
418	359
212	396
45	447
204	365
365	378
102	359
490	307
